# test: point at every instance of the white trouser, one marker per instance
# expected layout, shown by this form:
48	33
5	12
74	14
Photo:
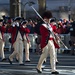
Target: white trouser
48	49
2	49
26	46
18	51
56	55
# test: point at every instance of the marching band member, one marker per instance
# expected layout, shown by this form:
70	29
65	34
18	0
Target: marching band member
53	24
54	27
47	44
2	43
26	31
17	42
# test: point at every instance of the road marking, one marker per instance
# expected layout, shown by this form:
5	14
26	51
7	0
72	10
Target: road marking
48	71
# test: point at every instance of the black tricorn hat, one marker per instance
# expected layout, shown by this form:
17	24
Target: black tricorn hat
17	18
52	20
24	22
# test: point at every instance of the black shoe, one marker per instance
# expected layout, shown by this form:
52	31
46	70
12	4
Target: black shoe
27	61
44	62
55	72
38	71
4	59
9	61
57	63
21	64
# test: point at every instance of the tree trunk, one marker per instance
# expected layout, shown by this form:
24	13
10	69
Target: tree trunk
42	6
15	8
12	8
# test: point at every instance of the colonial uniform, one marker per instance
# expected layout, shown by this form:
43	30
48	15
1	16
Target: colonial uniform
26	31
17	43
47	43
47	47
57	41
2	43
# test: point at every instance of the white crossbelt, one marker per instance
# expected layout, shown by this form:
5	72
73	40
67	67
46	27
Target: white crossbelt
0	35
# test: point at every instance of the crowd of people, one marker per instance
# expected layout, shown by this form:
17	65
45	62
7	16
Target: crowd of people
20	28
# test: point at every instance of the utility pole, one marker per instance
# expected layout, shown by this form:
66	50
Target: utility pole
12	8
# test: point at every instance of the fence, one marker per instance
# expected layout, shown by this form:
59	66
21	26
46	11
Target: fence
6	39
64	37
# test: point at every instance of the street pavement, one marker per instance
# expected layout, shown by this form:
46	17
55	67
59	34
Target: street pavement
66	65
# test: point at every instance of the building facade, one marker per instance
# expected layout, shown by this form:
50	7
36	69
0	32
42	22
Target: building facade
59	8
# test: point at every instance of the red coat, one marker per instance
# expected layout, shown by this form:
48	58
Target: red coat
44	34
55	32
13	31
54	28
26	31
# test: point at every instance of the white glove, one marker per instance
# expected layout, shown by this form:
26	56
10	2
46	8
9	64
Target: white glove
24	26
17	24
13	24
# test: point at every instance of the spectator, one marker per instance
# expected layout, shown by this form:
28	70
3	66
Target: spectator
31	26
72	37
